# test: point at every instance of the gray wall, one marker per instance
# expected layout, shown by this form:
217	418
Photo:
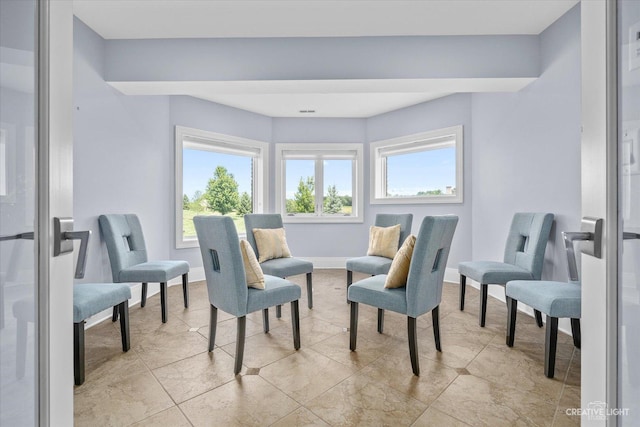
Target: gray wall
526	150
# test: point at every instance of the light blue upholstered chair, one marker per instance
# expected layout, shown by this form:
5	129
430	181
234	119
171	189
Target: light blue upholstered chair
523	259
555	299
423	291
377	264
128	256
227	286
280	267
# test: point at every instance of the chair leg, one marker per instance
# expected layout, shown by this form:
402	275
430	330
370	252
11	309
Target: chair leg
435	319
143	300
575	331
349	282
185	289
213	325
309	290
265	320
484	288
163	301
512	310
380	320
123	307
353	326
78	352
413	344
295	324
242	326
278	311
114	316
21	348
550	341
463	289
538	318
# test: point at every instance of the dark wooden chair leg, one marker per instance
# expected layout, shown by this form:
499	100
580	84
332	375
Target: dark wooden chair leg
21	348
575	332
413	344
538	318
265	320
484	289
380	320
213	325
309	290
463	288
349	282
123	307
353	326
114	316
242	326
163	301
295	323
78	352
185	289
143	300
512	310
435	320
550	341
278	311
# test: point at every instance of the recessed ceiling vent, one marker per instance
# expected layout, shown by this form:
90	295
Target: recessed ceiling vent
307	111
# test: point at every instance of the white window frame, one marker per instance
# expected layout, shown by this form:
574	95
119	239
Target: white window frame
419	142
321	152
222	144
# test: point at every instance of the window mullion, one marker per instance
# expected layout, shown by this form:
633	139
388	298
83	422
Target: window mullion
319	186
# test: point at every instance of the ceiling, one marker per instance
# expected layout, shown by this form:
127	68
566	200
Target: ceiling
148	19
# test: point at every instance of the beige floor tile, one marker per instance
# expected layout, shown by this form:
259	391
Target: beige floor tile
263	349
305	374
434	418
361	400
569	401
163	348
301	417
246	401
121	403
227	331
312	331
170	417
458	350
483	403
195	375
337	348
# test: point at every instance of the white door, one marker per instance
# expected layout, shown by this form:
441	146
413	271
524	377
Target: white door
611	190
36	338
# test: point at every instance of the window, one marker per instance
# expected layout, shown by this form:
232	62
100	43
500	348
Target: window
421	168
319	182
217	175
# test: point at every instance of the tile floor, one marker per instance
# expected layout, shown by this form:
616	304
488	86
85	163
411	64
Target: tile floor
169	379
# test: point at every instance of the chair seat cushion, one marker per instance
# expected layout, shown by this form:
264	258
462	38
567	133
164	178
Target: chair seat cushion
276	291
92	298
285	267
557	299
492	272
371	291
154	271
369	264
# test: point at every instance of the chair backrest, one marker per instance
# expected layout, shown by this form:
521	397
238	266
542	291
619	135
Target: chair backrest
428	263
222	262
388	220
125	242
252	221
527	241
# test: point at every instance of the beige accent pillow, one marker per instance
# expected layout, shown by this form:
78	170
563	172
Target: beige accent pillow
399	270
252	271
271	243
383	241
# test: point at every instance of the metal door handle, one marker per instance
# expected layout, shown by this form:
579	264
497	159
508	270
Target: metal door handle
24	236
630	236
63	237
591	233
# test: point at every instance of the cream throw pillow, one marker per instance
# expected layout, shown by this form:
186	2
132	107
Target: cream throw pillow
399	271
383	241
271	243
252	271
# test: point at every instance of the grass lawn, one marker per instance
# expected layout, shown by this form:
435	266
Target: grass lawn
189	229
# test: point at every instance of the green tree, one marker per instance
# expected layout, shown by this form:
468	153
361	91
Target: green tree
185	202
245	206
222	191
437	192
304	199
332	201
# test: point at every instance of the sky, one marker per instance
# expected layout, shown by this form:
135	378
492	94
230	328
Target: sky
407	173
